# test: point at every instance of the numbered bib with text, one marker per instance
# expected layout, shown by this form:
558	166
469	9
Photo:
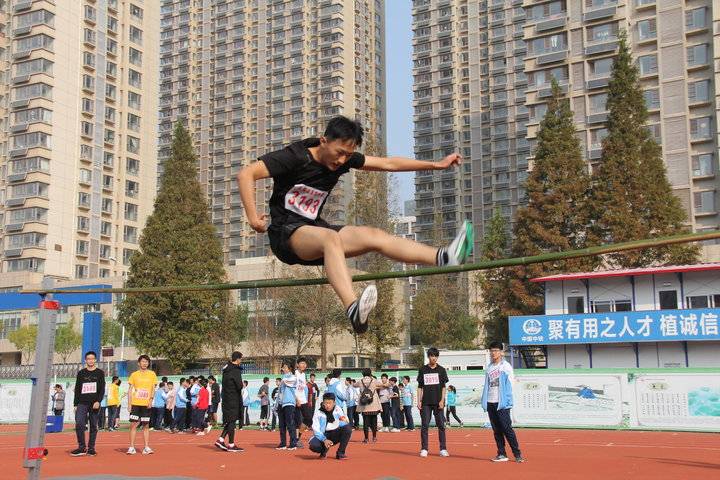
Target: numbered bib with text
431	378
89	387
142	394
305	201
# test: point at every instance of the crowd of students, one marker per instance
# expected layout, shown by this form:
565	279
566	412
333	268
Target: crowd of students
191	406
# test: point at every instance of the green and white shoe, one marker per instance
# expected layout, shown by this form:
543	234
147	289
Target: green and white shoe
461	247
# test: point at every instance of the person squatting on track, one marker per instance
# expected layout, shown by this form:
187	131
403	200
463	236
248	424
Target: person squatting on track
142	389
330	427
232	407
286	407
304	174
497	400
432	379
89	391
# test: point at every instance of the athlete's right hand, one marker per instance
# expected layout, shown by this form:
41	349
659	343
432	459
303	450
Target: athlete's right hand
260	224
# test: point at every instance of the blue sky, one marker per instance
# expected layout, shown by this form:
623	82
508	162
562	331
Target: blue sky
398	51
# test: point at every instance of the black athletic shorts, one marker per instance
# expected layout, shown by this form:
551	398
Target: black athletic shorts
280	240
140	415
264	411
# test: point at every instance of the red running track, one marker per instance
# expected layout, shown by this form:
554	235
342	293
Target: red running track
551	454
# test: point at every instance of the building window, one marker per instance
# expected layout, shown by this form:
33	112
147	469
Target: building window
105	229
32	115
136	12
111	69
81	271
133	122
27	44
84	199
134	78
702	165
135	35
85	176
132	189
697	55
31	140
696	18
105	252
133	144
598	103
38	65
35	17
602	33
705	201
83	224
601	306
668	300
130	234
82	248
702	301
132	166
652	99
25	265
648	64
135	57
107	205
9	321
647	29
134	100
700	128
127	253
131	212
34	90
699	91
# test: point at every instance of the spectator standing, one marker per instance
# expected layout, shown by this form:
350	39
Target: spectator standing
58	400
245	420
313	391
89	391
264	396
350	402
384	394
232	387
140	396
369	404
113	403
497	400
214	399
432	379
408	396
170	405
275	406
394	405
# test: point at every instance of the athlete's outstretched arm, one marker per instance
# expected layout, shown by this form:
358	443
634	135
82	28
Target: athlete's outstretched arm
246	179
401	164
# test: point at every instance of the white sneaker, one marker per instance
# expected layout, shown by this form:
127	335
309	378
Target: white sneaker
423	453
444	453
386	429
360	311
131	451
395	430
462	245
200	434
147	451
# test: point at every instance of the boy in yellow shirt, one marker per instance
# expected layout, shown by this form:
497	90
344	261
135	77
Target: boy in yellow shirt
142	388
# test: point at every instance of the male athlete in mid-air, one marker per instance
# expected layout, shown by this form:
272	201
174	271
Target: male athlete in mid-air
304	173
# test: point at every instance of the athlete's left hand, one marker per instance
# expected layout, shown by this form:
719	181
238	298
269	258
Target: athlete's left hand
450	160
442	404
96	406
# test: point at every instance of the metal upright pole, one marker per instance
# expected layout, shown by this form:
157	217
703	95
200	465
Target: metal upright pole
35	452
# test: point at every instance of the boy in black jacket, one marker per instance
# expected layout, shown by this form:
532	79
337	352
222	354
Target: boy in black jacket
232	385
89	392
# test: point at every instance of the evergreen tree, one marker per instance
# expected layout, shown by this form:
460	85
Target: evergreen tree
632	198
178	247
556	217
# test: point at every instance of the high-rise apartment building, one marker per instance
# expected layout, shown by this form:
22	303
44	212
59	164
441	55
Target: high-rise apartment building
514	49
442	113
251	76
78	141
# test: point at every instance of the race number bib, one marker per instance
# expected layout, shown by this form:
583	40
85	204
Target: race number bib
305	201
431	378
142	394
89	387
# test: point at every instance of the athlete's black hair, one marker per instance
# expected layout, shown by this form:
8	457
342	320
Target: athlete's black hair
497	345
433	352
342	128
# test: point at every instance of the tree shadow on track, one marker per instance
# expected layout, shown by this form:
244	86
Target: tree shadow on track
684	463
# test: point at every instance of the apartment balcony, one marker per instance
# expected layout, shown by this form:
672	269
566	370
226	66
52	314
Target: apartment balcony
550	23
602	12
559	54
605	45
597	82
596	118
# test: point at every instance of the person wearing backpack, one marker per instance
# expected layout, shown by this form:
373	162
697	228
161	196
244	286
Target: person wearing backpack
369	404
